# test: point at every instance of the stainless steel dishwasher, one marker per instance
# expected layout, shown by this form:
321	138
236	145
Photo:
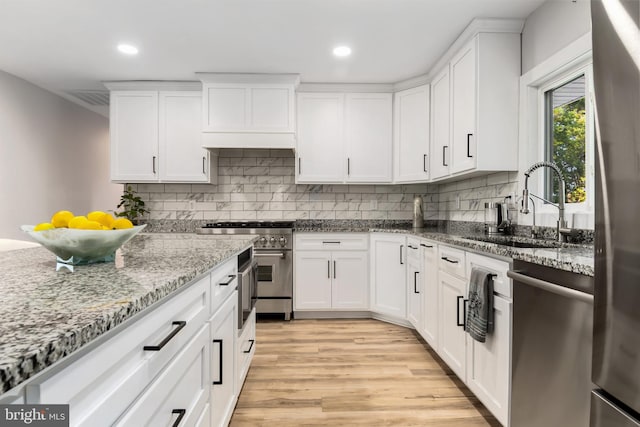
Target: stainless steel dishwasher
551	349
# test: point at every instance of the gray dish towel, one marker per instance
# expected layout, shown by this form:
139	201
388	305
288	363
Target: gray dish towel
480	312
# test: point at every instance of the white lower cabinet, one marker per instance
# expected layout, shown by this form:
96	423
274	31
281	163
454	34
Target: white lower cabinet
329	274
224	327
180	394
245	349
430	305
453	339
415	285
388	275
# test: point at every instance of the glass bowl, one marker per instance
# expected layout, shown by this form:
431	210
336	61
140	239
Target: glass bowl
77	247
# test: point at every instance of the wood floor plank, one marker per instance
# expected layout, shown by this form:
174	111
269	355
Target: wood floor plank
353	372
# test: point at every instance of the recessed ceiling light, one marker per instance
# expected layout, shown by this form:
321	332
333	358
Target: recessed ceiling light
342	51
128	49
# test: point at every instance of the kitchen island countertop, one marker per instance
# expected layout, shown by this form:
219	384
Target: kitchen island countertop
47	315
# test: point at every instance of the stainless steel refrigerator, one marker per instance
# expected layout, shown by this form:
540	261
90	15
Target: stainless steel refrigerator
616	328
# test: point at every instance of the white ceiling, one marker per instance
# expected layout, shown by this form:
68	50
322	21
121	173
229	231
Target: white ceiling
71	44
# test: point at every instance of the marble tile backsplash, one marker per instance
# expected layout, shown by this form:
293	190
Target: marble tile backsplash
260	185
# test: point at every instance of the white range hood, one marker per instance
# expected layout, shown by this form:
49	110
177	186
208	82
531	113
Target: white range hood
248	110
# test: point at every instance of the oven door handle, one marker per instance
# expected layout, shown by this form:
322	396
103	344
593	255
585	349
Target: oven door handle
279	254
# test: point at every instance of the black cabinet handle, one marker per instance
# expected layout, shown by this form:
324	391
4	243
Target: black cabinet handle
219	382
424	162
181	413
251	346
180	323
452	261
334	269
415	282
468	152
331	242
464	313
229	280
458	298
299	165
328	269
348	166
204	160
153	164
426	246
444	153
412	247
401	246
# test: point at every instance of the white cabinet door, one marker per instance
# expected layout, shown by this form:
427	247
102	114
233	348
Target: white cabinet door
440	125
312	280
430	295
415	290
489	363
182	158
134	136
463	99
411	135
320	137
368	118
388	275
350	288
224	327
452	292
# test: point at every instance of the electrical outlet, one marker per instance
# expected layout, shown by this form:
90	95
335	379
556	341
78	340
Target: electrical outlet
457	201
192	205
373	205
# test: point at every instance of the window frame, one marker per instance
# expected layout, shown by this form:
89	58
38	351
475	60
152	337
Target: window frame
554	81
572	58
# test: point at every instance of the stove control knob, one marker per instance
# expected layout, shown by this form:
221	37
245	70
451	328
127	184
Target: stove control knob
263	240
282	240
272	240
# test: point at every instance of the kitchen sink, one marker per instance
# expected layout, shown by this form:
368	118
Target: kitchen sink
516	243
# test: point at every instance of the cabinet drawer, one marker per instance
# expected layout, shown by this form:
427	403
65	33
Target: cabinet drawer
429	250
501	283
246	347
100	385
331	241
182	390
413	250
452	261
224	281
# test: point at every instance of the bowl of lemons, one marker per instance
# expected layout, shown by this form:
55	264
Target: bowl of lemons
83	239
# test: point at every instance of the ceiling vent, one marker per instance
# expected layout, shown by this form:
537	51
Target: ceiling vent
91	97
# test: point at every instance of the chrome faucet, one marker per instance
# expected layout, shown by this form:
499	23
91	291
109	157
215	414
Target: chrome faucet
561	228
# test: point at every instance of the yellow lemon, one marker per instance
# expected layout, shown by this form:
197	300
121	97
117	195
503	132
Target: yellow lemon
95	215
106	220
121	223
90	225
77	221
61	218
43	226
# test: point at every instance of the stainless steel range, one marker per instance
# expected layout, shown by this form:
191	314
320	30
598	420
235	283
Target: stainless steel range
275	260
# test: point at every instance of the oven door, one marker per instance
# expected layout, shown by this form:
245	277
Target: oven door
275	273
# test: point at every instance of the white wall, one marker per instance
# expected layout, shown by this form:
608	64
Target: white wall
551	27
53	155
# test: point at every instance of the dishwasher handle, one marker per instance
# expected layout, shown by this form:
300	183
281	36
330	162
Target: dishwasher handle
550	287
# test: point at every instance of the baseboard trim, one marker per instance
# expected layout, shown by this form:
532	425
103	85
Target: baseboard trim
311	314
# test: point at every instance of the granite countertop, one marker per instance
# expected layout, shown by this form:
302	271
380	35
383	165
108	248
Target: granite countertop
577	258
47	315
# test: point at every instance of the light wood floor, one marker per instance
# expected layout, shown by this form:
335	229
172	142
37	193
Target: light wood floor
351	372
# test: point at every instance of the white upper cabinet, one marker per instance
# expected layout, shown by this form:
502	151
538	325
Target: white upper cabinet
344	137
368	120
182	158
463	107
475	104
440	125
134	136
156	137
248	110
320	138
411	135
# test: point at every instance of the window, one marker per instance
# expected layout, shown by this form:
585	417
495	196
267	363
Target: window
568	130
